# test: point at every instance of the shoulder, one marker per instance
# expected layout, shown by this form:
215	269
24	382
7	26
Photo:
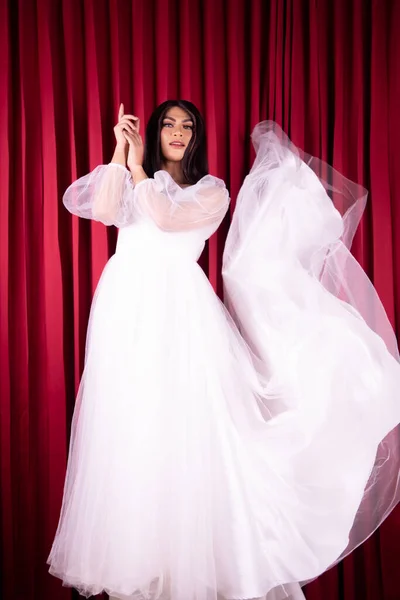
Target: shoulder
211	181
207	181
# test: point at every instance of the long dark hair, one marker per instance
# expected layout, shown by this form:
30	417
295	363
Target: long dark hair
194	161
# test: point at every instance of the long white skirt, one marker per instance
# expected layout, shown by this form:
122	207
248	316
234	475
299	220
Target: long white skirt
179	485
233	457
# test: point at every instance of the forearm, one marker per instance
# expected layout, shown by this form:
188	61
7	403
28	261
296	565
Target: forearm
138	173
110	194
120	155
108	197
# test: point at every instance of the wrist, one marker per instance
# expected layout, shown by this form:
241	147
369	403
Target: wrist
119	156
138	173
136	168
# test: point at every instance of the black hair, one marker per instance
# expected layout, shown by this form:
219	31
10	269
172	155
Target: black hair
194	161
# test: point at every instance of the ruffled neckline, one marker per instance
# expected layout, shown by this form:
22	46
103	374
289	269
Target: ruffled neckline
163	177
169	176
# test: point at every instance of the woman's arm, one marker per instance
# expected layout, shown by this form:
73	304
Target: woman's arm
106	194
138	173
120	154
109	195
174	209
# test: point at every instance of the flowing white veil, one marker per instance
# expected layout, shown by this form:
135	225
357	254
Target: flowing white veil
302	302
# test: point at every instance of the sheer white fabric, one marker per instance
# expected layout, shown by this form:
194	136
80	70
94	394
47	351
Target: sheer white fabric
108	194
309	312
105	194
225	452
181	209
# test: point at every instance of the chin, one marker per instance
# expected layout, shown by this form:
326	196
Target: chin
173	156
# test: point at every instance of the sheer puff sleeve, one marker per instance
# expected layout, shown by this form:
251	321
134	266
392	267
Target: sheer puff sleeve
173	208
106	194
109	195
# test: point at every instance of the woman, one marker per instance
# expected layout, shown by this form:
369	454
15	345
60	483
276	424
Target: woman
231	450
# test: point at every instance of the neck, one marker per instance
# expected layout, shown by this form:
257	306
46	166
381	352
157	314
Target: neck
174	169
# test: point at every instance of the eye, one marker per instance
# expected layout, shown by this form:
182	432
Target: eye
167	124
189	126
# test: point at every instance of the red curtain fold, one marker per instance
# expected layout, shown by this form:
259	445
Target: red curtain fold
327	71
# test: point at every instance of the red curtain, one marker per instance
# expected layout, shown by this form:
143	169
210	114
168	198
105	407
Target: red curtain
327	71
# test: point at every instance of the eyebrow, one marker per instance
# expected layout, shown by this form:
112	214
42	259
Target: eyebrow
183	121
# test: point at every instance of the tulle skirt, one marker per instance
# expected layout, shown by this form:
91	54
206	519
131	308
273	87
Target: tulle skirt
183	483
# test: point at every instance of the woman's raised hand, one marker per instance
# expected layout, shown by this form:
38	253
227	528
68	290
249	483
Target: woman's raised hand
126	124
136	149
127	135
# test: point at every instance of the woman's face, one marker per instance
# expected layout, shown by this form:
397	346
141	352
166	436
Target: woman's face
176	132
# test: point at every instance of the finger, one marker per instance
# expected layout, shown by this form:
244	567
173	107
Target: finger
132	132
127	127
130	121
134	139
128	137
135	120
138	138
121	111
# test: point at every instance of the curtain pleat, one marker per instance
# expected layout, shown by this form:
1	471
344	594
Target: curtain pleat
327	72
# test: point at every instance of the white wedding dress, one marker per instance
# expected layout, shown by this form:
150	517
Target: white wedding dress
228	450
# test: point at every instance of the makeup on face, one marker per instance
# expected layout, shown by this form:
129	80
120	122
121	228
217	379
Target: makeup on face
176	133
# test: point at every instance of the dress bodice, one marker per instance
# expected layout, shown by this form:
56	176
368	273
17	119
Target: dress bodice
143	237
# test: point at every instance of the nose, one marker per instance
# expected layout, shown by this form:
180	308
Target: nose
178	132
